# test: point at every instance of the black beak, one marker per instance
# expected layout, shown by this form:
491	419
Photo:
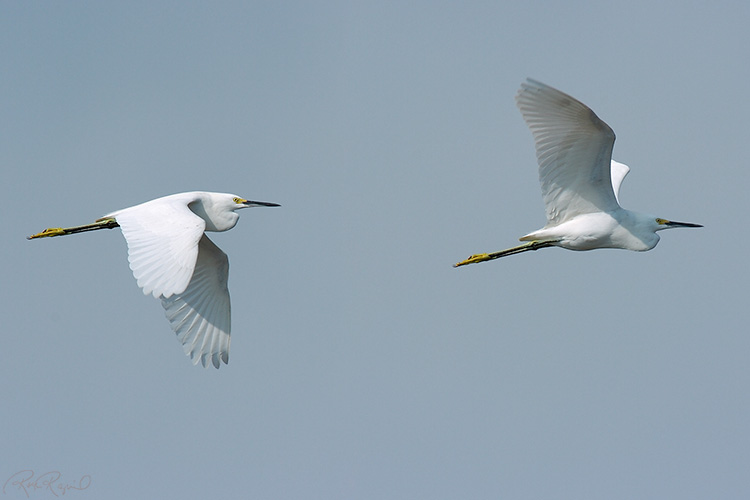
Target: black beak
682	224
261	204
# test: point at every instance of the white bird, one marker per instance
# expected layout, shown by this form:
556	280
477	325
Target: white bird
580	181
174	260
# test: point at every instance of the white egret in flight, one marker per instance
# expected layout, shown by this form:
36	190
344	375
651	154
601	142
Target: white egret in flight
174	260
580	181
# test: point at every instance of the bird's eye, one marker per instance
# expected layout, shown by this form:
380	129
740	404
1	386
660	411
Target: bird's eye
238	201
662	221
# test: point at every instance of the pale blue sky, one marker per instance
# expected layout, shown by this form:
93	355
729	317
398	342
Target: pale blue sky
363	366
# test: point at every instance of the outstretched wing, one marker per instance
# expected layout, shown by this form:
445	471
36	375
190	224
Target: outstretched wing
573	148
162	237
201	315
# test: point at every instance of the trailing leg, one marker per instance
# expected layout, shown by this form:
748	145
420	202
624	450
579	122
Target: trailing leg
107	223
481	257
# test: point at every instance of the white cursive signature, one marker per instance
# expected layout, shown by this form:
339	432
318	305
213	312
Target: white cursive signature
28	482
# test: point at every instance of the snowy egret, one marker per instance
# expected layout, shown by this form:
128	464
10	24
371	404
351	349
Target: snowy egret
174	260
580	181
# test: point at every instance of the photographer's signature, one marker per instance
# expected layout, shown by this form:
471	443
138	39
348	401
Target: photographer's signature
30	483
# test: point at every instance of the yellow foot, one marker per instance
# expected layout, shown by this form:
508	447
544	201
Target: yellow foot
53	231
480	257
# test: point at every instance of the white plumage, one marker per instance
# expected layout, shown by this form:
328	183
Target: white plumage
172	259
580	182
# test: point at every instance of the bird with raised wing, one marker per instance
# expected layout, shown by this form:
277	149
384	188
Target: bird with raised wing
580	181
172	258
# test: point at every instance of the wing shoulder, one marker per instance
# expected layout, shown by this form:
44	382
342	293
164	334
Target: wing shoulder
162	237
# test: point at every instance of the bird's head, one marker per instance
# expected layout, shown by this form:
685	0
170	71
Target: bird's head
235	204
218	209
641	230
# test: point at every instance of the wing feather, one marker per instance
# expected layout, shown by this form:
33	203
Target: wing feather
618	173
574	150
201	314
162	237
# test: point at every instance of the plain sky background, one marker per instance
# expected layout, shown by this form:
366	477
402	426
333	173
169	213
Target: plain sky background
363	366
